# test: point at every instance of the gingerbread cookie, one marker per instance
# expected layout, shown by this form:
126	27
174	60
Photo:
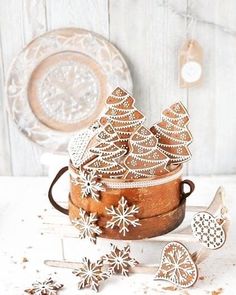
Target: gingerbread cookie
79	145
145	158
107	134
122	114
176	114
107	154
173	134
177	266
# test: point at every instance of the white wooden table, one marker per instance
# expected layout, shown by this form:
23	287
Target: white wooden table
24	244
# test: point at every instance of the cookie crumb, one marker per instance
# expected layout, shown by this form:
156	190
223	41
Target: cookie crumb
217	292
25	259
169	288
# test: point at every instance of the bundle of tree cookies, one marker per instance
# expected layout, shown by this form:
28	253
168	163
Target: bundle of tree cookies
120	146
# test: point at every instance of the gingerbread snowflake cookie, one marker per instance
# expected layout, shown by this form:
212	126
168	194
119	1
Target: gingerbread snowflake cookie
173	134
91	274
122	216
119	261
122	114
145	158
89	183
87	225
47	287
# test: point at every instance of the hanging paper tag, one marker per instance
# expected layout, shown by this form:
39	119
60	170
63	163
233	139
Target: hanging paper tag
190	64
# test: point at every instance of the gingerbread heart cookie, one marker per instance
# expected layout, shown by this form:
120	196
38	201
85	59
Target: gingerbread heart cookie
177	266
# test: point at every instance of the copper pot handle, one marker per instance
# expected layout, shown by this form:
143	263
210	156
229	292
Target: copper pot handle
50	196
191	188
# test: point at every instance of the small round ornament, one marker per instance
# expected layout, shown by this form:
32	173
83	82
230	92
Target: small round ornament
208	230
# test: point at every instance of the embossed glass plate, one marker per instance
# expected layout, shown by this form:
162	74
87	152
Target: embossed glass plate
58	84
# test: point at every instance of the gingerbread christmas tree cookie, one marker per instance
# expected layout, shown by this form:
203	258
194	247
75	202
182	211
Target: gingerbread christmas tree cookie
173	134
176	114
122	115
107	134
107	154
145	159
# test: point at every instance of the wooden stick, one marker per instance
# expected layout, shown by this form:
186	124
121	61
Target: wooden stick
195	208
181	237
140	268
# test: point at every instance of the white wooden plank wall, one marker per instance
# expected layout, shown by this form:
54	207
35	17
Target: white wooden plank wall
149	34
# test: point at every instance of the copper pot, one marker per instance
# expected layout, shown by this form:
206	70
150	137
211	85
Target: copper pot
161	202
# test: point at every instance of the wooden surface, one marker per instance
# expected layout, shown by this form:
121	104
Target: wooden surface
149	33
26	243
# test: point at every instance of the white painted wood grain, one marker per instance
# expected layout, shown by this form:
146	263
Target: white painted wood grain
25	156
5	153
34	18
213	105
149	33
90	14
